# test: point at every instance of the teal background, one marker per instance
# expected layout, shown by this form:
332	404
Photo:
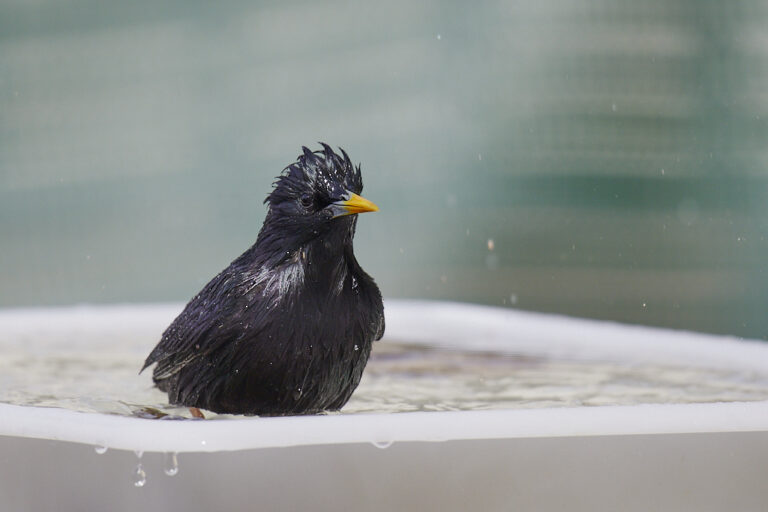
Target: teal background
613	151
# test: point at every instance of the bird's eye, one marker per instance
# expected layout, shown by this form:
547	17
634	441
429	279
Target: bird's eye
307	200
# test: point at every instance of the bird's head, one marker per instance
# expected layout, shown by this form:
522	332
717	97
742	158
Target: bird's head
316	197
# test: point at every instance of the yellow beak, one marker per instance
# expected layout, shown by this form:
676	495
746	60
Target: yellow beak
356	204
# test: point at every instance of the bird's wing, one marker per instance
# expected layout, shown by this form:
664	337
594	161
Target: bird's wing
206	322
380	331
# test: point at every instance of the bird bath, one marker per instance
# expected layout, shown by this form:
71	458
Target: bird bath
524	402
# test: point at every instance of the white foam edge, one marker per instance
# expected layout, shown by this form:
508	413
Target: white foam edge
448	325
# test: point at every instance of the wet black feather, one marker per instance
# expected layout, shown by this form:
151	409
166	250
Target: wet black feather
287	327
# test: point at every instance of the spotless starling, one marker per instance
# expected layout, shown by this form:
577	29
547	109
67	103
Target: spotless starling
287	327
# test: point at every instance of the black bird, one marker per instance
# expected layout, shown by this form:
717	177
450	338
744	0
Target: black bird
287	327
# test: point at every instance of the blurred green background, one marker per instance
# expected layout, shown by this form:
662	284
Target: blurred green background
603	159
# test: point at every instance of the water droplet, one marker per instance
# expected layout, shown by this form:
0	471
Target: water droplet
138	453
171	466
439	37
139	476
662	172
614	108
101	450
382	445
479	156
513	298
491	244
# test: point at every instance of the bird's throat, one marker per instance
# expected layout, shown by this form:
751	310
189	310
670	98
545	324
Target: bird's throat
325	261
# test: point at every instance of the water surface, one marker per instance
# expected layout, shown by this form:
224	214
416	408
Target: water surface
87	374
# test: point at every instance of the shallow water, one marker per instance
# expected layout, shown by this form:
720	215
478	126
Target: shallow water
103	377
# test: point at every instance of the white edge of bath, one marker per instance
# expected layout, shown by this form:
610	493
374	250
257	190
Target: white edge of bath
118	432
435	323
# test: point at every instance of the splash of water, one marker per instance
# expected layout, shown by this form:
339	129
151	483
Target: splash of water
171	465
139	476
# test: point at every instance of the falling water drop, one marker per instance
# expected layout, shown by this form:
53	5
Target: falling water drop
382	444
101	450
171	466
139	476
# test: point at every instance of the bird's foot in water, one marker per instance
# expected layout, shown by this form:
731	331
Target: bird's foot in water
196	413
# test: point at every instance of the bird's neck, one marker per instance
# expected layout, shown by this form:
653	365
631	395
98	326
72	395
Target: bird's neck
325	258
